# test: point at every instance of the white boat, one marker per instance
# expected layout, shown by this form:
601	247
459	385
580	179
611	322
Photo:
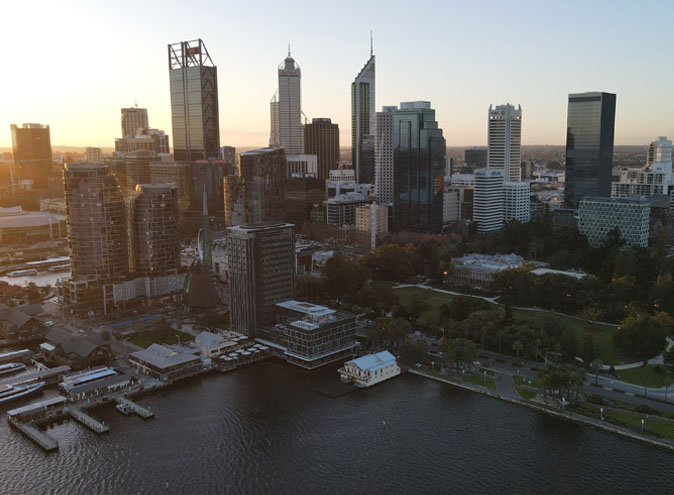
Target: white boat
13	392
11	368
21	273
124	409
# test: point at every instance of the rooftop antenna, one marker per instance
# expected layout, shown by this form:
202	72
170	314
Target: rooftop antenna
135	101
371	45
288	49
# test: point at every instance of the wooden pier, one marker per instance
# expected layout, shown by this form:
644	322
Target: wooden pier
136	408
88	421
41	438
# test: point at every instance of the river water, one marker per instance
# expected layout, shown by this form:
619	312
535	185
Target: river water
265	429
42	279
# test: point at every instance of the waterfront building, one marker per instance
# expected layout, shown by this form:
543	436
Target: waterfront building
92	155
589	146
17	325
258	194
286	108
212	345
321	138
517	201
18	227
155	238
369	370
194	101
94	382
261	273
314	335
31	156
302	165
488	200
133	119
362	122
504	141
419	154
597	216
383	155
165	363
77	351
479	270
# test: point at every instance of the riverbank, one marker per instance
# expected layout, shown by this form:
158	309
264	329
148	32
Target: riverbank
567	416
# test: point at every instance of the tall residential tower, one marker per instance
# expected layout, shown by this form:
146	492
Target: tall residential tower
504	141
286	108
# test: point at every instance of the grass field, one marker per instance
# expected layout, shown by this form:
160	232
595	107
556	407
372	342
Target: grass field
646	377
146	339
524	381
603	334
664	429
490	383
526	393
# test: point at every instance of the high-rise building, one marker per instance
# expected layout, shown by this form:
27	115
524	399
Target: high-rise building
194	101
133	119
137	167
589	146
155	239
517	201
177	173
302	193
92	155
659	158
31	156
362	121
97	228
597	216
302	165
419	164
228	154
261	273
475	157
144	139
286	108
372	219
258	193
504	141
383	155
488	200
321	138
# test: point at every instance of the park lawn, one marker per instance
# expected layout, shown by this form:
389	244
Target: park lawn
664	429
645	376
146	339
603	336
525	393
489	372
490	383
520	380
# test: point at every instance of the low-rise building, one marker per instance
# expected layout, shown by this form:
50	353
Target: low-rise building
369	370
313	335
478	270
165	363
30	227
93	382
212	345
17	325
77	351
597	216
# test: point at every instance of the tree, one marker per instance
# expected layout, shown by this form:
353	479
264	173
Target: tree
589	349
596	365
643	335
568	345
518	347
459	352
590	314
32	292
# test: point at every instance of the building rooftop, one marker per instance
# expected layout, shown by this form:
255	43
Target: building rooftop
259	226
306	308
568	273
485	262
208	339
261	151
632	200
373	362
163	357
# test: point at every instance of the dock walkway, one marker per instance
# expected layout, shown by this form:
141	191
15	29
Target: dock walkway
136	408
87	420
41	438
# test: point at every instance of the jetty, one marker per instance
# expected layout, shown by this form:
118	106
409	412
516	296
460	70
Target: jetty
47	442
136	408
92	423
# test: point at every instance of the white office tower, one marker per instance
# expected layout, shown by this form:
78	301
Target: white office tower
286	108
488	200
505	140
383	155
660	158
517	202
362	121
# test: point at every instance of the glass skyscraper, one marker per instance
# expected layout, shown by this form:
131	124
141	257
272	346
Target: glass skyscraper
362	122
589	146
419	164
194	101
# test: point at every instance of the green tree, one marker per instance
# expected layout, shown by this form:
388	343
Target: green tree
568	345
596	365
643	335
518	347
589	349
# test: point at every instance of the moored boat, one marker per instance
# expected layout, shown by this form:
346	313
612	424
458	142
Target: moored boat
8	368
13	392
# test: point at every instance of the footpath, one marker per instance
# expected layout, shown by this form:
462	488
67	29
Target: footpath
505	394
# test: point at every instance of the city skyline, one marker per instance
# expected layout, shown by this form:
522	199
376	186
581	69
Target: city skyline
556	53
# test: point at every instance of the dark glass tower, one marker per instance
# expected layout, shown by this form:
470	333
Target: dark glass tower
194	101
31	156
418	163
589	146
321	138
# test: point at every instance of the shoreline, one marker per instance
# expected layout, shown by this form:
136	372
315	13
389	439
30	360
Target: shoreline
583	420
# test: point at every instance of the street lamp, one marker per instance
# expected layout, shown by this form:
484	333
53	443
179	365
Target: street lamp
642	425
484	372
601	413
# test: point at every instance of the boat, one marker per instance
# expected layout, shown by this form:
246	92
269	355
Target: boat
59	268
13	392
124	409
21	273
5	369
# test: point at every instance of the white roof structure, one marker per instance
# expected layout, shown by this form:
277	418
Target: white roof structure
164	357
373	362
208	339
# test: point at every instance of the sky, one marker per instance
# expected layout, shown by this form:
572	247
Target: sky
73	64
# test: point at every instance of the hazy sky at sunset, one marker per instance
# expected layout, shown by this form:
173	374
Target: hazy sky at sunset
74	64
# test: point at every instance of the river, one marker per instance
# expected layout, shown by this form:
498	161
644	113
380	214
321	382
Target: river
265	429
